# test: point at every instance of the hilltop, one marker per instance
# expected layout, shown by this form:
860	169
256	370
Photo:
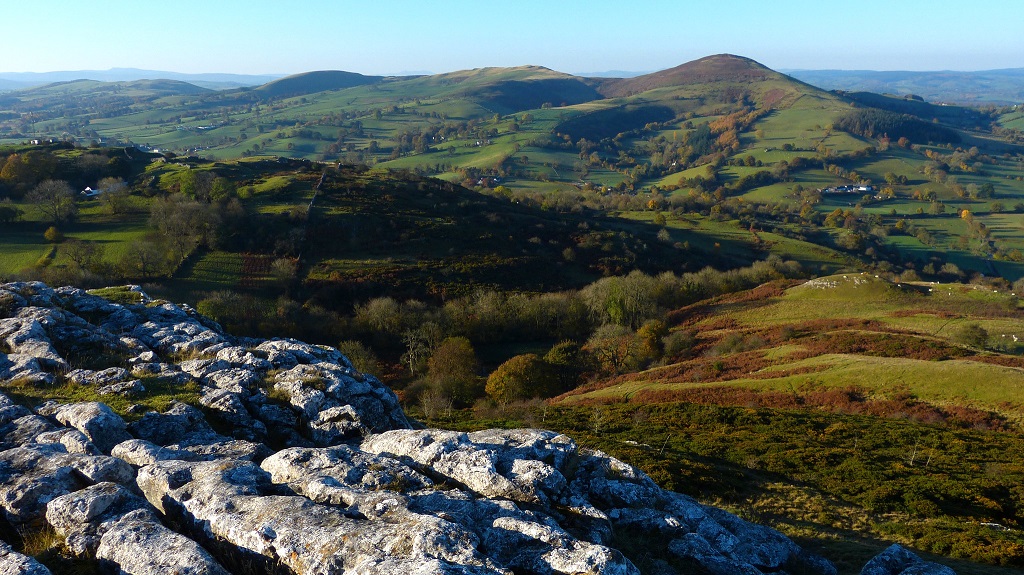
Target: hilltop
708	70
313	82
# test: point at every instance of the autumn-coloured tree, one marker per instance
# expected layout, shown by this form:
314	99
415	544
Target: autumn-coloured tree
521	377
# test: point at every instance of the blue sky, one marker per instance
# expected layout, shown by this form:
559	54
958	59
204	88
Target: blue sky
394	36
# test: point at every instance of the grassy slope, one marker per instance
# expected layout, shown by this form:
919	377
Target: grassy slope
871	311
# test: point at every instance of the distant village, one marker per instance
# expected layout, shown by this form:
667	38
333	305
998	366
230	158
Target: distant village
851	189
860	189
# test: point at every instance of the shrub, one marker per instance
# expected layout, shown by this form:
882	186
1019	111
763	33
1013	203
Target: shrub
972	335
361	357
53	235
521	377
678	343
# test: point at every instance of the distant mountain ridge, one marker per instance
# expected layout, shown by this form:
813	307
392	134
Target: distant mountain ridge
1005	86
216	81
1001	86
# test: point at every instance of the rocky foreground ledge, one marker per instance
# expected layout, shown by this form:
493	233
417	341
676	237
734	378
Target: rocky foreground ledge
352	489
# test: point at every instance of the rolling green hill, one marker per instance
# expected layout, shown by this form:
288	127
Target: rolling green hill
313	82
721	130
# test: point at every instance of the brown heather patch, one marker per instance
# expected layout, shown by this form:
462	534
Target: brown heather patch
1003	360
882	345
754	298
832	324
932	312
852	401
775	288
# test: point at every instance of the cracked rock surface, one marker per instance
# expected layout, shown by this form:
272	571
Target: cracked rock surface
348	486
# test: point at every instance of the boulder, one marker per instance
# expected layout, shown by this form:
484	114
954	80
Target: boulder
31	477
238	356
13	562
345	466
24	430
9	411
73	440
228	407
97	421
898	560
142	547
98	378
132	388
82	517
25	335
179	423
139	452
486	467
16	366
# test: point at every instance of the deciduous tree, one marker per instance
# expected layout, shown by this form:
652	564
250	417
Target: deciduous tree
452	370
55	200
521	377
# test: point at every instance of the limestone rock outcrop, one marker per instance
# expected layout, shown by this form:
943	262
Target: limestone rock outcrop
898	560
348	486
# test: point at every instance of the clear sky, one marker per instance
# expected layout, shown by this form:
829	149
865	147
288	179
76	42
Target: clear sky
395	36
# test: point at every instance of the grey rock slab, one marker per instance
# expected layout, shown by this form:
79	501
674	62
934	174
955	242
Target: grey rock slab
13	562
132	388
753	544
226	448
179	423
201	368
17	366
139	452
30	477
9	411
96	420
234	501
82	517
347	466
336	424
525	540
73	440
898	560
274	415
24	430
35	293
26	336
98	378
235	379
302	352
229	408
148	548
485	468
242	357
12	300
695	548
